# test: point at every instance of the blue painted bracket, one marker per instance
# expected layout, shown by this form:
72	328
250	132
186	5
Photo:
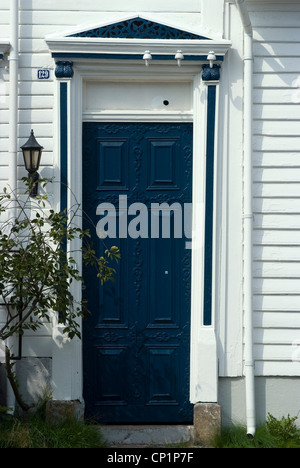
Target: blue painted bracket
211	74
64	69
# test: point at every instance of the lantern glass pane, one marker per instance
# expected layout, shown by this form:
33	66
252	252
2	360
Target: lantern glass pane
26	154
35	159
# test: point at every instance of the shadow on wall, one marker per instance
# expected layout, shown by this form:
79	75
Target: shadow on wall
34	376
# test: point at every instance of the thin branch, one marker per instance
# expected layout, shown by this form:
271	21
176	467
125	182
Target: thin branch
13	383
18	325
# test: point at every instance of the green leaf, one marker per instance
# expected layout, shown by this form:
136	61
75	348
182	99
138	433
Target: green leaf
36	272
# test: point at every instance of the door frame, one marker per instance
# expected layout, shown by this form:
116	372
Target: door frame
68	161
136	327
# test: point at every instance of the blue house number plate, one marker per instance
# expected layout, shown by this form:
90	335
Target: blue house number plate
43	74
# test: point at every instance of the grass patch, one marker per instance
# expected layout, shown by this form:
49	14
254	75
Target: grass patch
36	433
275	433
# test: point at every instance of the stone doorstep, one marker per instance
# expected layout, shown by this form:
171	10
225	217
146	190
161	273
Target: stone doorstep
207	423
142	435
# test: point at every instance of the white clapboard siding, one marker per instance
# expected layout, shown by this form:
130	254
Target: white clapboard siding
36	116
276	96
276	269
275	64
285	35
275	319
288	368
284	49
276	187
271	336
274	353
3	171
37	102
27	46
273	19
30	74
277	221
3	159
277	253
276	286
40	88
270	174
269	159
39	31
43	130
276	205
37	6
38	60
275	143
280	80
45	171
276	128
4	17
284	237
289	112
44	141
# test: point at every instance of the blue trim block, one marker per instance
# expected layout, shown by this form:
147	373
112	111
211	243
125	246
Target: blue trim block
211	113
63	146
64	69
211	74
108	56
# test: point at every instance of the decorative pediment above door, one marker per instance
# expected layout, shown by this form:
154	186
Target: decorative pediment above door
138	28
130	37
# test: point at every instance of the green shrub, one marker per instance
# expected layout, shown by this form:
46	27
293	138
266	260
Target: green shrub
275	433
36	433
37	268
284	430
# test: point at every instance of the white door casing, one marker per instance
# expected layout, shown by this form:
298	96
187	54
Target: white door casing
94	72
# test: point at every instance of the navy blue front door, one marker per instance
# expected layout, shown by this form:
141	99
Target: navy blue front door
136	339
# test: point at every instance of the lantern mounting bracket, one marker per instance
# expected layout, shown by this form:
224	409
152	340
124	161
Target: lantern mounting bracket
32	152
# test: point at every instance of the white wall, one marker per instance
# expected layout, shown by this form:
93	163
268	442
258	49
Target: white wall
276	166
276	175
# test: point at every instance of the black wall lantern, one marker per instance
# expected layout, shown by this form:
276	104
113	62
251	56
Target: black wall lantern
32	153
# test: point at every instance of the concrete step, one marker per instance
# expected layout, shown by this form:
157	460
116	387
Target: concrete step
147	435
